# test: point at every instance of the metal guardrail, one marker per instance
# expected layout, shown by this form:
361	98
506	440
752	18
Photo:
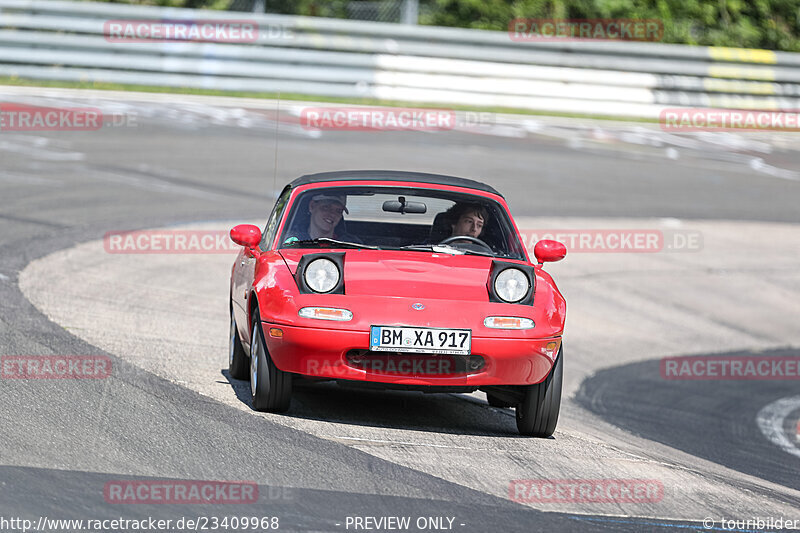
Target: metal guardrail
59	40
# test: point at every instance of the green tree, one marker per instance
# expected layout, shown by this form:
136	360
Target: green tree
770	24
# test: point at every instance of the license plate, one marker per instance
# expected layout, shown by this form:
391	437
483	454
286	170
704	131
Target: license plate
420	340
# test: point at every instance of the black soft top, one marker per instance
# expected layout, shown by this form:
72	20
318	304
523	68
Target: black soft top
392	175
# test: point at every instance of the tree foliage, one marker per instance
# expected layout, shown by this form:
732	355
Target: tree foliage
769	24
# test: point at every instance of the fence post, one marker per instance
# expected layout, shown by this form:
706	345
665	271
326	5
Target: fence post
410	12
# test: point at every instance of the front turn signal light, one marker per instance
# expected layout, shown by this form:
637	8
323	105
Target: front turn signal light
326	313
508	322
551	349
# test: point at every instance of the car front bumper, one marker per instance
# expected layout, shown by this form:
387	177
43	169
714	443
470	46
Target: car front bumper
328	353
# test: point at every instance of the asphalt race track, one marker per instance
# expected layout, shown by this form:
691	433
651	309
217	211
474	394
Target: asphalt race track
169	411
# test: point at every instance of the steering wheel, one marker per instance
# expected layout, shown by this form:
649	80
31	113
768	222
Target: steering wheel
473	240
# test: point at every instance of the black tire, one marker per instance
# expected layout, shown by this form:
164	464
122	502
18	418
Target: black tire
270	388
494	401
238	360
537	413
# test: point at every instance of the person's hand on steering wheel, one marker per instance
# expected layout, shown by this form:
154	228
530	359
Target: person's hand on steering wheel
473	240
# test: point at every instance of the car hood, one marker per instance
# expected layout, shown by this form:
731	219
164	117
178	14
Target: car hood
409	274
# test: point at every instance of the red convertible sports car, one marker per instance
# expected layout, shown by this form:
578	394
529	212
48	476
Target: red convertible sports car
398	280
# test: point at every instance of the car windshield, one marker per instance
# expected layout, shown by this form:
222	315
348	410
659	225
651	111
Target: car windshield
415	219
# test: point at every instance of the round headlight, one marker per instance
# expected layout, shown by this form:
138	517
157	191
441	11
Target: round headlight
322	275
511	285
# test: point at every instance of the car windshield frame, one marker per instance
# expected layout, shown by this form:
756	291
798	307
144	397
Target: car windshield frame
500	231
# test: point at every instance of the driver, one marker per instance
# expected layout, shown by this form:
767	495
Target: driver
467	219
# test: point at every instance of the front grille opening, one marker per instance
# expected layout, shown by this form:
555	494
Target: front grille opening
415	364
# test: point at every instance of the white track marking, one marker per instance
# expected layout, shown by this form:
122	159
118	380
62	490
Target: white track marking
758	164
38	153
770	422
10	177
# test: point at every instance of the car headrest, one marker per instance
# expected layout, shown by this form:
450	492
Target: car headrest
440	230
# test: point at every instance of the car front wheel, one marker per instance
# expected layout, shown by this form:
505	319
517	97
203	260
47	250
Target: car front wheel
270	388
537	413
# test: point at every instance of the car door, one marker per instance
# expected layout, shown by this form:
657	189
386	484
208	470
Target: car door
244	272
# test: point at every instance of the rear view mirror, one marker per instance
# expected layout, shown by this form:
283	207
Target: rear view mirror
547	250
403	207
246	235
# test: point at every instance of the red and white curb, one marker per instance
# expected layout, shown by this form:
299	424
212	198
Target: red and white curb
771	419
